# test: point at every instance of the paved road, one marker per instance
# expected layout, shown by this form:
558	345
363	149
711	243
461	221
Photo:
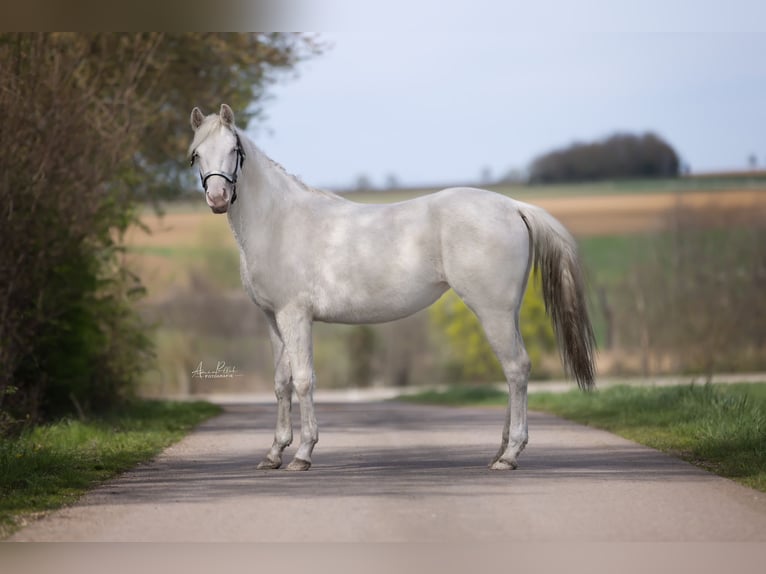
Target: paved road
393	472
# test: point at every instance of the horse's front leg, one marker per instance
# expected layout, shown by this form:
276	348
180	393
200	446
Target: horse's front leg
295	328
283	388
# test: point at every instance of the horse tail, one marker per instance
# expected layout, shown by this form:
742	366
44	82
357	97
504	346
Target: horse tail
555	258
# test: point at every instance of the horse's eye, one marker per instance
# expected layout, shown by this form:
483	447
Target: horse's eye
193	158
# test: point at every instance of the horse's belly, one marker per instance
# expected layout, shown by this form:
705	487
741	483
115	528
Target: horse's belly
372	303
383	271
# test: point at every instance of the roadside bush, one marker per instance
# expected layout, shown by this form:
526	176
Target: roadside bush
69	340
91	122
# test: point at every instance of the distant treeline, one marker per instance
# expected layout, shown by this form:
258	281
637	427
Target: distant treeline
618	156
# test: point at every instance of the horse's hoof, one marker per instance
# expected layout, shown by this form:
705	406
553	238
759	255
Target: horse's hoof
502	464
299	464
268	464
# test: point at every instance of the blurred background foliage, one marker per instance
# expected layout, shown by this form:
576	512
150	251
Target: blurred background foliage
93	309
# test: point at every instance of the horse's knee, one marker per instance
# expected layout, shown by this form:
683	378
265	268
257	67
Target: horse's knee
283	384
303	383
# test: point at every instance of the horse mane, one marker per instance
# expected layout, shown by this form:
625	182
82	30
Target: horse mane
303	185
213	123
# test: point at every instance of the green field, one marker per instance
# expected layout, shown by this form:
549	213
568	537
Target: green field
721	428
609	258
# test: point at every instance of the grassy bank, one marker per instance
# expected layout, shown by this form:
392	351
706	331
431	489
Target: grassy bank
721	428
52	465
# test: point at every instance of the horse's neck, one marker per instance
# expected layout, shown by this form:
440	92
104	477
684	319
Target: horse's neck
266	194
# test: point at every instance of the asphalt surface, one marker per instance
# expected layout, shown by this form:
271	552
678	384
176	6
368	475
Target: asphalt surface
397	472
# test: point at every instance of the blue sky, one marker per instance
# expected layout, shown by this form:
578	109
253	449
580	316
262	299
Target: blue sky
436	92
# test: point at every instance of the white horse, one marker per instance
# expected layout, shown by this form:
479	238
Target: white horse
309	255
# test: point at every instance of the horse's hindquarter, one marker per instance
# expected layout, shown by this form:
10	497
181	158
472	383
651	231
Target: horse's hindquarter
374	263
485	247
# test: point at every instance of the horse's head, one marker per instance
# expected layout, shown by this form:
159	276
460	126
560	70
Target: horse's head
217	152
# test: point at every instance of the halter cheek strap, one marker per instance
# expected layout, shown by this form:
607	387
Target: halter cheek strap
230	177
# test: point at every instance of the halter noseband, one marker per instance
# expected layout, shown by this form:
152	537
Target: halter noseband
230	177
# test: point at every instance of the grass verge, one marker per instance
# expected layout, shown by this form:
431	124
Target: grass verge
52	465
721	428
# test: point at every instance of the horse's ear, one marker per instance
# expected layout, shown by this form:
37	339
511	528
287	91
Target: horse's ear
227	116
197	117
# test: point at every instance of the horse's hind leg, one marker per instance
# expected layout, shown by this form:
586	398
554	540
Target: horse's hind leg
493	287
502	331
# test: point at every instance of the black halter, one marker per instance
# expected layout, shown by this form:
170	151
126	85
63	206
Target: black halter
230	177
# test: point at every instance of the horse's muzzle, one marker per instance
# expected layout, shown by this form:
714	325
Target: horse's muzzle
220	201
